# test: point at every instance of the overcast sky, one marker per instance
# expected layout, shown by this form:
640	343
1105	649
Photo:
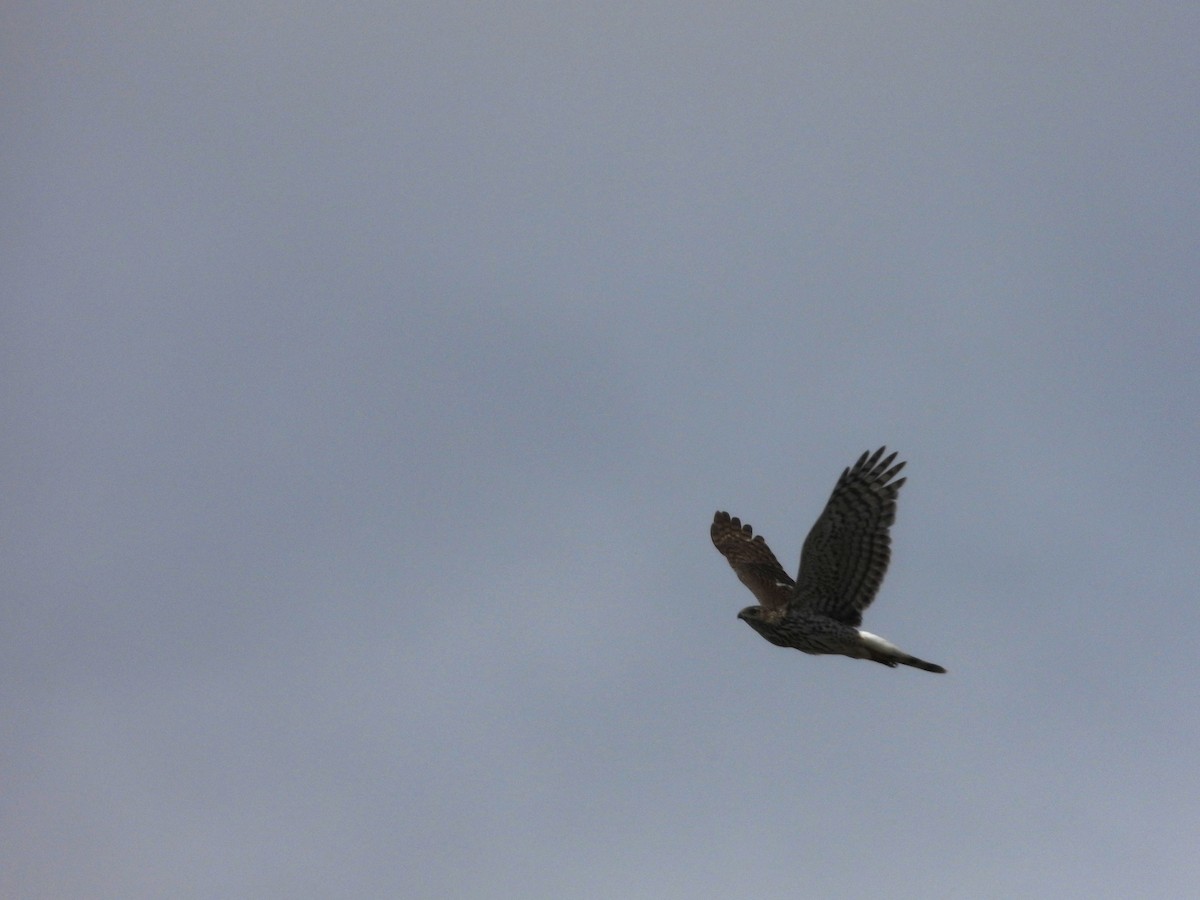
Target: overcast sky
371	374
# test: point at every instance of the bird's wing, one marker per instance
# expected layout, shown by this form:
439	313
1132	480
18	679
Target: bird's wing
846	554
752	560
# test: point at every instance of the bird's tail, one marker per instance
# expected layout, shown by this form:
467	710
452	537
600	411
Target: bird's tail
889	654
921	664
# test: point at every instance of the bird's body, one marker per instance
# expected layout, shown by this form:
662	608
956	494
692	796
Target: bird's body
842	565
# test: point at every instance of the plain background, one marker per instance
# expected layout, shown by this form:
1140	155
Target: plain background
371	374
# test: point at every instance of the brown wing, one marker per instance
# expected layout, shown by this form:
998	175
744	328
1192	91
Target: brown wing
846	554
752	560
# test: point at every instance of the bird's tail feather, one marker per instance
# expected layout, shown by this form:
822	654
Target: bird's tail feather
921	664
887	653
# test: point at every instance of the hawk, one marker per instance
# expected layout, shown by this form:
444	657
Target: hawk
842	565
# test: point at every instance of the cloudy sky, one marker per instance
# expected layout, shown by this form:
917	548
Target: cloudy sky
371	374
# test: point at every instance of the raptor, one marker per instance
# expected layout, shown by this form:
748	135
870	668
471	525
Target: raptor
842	565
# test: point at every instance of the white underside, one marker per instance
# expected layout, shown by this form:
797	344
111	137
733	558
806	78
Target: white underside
875	642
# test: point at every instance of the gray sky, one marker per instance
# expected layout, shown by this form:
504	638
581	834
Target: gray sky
372	373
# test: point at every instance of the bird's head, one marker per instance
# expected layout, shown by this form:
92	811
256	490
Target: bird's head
751	613
765	621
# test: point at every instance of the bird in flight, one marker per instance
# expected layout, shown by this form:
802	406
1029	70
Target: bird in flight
842	565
